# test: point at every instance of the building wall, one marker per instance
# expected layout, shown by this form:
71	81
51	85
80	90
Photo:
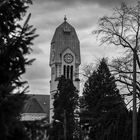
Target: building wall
64	42
32	116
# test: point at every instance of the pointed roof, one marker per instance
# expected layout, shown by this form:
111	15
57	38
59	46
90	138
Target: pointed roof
65	29
65	37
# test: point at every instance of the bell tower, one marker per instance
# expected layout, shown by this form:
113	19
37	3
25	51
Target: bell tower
64	58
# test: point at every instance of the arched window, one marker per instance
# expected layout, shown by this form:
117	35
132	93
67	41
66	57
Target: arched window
64	70
71	73
68	71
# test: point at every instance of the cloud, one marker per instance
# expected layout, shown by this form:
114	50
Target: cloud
83	15
40	86
39	69
36	50
73	2
38	74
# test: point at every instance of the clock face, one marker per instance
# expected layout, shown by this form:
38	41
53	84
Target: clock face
68	58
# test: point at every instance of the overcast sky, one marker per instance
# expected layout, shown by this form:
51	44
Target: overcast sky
83	15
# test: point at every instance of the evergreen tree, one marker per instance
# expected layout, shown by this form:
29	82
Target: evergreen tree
65	103
15	42
103	102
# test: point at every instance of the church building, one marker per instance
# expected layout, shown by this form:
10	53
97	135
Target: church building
65	58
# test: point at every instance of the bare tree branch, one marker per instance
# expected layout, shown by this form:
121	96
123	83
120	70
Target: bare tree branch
123	29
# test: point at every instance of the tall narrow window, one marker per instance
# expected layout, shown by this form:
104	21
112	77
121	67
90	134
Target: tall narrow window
71	73
68	72
56	68
64	70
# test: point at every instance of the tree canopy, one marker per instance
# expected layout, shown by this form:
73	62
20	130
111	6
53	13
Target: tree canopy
15	43
65	104
122	29
103	104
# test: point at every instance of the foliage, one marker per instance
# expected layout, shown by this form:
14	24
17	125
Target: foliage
37	129
123	29
15	42
18	131
103	103
65	103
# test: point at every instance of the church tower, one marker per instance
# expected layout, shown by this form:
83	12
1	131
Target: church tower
64	58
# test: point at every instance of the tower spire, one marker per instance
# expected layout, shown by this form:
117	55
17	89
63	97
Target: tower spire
65	18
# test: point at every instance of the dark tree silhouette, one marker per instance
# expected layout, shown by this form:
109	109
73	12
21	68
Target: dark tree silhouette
65	103
103	103
15	42
37	129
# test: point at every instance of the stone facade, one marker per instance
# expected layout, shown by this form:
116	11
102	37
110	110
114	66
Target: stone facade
64	58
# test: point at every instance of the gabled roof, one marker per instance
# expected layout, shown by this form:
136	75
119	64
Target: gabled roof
33	107
37	104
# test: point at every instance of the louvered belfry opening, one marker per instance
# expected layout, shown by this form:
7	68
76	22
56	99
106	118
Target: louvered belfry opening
68	71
